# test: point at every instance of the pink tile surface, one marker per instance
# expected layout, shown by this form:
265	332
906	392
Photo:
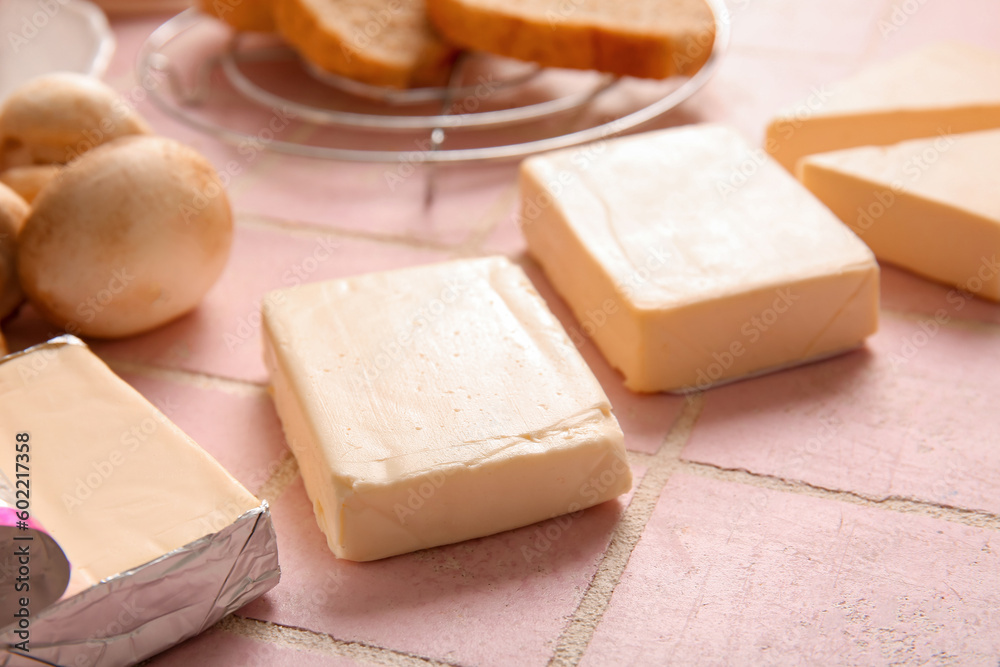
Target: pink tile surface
241	431
727	574
222	336
216	647
906	24
493	601
723	574
343	194
909	293
914	415
810	27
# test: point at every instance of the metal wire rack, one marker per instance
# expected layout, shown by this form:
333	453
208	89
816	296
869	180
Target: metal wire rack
198	71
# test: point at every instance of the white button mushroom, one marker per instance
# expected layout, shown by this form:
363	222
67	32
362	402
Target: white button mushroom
28	181
55	117
126	238
13	211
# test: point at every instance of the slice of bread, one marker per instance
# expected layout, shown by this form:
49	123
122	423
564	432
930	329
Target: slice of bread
381	43
642	38
254	15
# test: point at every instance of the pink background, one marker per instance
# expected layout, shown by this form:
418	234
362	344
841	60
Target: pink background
841	513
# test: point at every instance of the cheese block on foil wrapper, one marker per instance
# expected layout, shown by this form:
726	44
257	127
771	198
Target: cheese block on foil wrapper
148	520
943	88
436	404
927	205
691	259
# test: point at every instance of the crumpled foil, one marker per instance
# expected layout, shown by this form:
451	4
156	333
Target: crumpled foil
139	613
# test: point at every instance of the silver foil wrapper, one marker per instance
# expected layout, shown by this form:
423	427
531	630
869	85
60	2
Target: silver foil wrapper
136	614
50	568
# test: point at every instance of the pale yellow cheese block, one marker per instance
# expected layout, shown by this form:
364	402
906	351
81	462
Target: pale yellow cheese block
684	280
436	404
943	88
928	205
111	478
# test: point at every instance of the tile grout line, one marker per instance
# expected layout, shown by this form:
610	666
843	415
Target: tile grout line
912	506
283	477
576	636
491	220
313	230
319	643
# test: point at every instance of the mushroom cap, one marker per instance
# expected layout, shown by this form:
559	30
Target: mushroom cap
55	117
126	238
29	180
13	211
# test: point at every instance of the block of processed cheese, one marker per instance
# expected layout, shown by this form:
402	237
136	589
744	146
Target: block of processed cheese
946	87
927	205
436	404
681	278
111	478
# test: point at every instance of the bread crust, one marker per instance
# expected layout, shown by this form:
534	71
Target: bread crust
661	38
251	15
390	44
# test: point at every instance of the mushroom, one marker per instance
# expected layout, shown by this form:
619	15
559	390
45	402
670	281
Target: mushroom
28	181
126	238
13	211
55	117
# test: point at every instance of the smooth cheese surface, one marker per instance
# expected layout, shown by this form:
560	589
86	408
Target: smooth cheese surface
665	259
112	479
927	205
944	88
450	382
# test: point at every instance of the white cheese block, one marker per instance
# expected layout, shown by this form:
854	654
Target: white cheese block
692	259
944	88
436	404
928	205
114	481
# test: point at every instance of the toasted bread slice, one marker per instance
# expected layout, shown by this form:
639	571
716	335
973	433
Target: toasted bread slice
253	15
385	44
644	38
